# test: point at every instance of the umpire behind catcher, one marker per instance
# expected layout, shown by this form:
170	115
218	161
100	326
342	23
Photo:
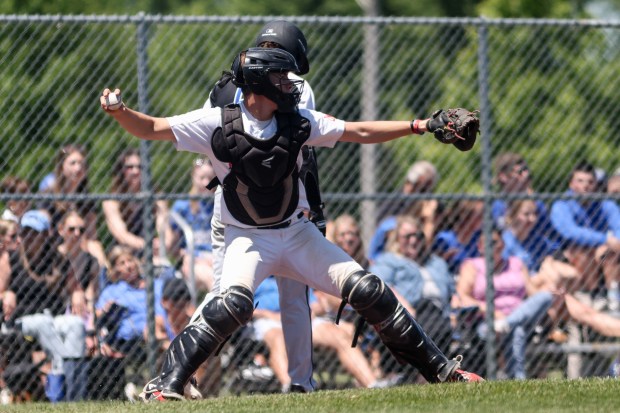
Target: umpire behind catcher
255	150
296	321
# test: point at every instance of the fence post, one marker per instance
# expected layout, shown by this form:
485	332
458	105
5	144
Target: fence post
487	223
368	153
147	190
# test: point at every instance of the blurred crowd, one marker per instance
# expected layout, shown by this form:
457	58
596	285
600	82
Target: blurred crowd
71	297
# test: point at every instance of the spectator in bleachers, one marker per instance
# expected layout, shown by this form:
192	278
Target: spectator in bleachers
421	178
37	306
198	214
521	238
14	210
519	306
345	233
174	311
71	177
267	327
420	277
9	239
125	218
121	307
84	259
512	176
589	228
459	240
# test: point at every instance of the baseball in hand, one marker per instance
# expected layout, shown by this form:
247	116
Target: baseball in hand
113	102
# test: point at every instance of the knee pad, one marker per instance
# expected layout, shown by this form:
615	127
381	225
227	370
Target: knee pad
369	296
228	311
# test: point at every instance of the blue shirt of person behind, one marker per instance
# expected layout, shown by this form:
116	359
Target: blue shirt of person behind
405	275
532	251
133	302
447	246
200	221
586	226
267	297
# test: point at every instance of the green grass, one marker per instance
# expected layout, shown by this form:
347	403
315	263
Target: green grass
592	395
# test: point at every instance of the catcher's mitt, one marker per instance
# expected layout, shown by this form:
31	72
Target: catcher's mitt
456	126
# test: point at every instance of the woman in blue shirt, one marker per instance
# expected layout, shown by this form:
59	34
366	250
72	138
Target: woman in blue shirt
198	213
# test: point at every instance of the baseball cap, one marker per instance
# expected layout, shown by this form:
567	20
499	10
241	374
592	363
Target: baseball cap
290	37
36	220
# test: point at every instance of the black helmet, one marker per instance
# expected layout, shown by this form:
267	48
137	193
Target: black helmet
253	74
291	39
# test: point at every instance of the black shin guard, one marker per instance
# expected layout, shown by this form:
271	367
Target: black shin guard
221	316
398	330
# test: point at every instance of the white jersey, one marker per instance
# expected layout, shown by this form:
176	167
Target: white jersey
194	130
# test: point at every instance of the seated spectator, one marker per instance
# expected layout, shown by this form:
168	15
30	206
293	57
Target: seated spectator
84	258
9	240
421	278
71	177
521	238
421	178
175	311
125	218
345	233
512	176
198	214
460	238
591	228
266	327
15	209
35	302
518	305
121	308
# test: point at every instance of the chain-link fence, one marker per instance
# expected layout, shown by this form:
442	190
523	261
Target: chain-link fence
79	187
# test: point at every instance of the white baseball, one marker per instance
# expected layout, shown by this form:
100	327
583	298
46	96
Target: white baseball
113	102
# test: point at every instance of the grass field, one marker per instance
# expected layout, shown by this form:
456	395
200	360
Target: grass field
592	395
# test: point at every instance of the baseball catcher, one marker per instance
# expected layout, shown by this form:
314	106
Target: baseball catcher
267	233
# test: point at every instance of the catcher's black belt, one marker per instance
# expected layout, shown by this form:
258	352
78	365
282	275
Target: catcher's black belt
282	224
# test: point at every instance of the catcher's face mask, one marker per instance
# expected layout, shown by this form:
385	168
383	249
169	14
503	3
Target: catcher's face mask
265	72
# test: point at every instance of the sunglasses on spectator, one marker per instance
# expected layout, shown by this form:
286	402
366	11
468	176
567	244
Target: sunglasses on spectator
418	235
519	169
80	230
132	166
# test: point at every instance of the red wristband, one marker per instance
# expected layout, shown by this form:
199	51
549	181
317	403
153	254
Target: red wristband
415	127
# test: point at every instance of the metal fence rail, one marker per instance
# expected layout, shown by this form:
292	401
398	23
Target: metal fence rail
544	88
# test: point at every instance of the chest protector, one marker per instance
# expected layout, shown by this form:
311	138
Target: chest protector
262	187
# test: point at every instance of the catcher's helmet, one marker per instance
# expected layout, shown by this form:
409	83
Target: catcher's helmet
252	68
290	38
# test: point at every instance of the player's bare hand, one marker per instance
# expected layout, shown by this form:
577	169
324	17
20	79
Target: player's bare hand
111	100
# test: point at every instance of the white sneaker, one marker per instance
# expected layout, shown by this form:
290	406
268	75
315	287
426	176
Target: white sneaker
6	397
